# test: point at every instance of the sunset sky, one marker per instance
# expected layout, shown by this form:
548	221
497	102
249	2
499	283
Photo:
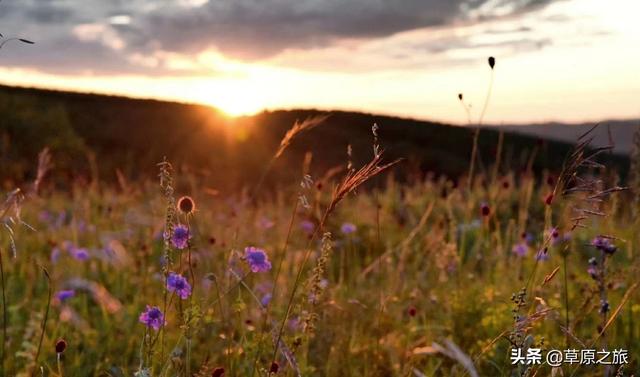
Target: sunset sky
565	60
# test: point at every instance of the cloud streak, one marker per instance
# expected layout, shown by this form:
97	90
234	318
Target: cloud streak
140	37
254	29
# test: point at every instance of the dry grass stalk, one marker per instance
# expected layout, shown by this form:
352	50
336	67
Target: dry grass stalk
570	182
298	128
352	180
452	351
355	179
44	165
549	277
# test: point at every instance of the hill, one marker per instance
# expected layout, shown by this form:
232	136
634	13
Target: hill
619	133
98	135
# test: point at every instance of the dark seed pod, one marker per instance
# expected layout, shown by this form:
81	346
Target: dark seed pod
492	62
61	345
485	210
218	372
551	181
186	205
274	367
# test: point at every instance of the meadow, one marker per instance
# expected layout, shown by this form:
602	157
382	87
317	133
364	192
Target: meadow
345	272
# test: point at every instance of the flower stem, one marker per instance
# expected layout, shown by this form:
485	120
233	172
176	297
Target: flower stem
46	316
566	298
4	312
59	362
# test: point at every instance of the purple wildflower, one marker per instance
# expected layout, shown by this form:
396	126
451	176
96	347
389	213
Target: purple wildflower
65	294
599	242
257	259
178	284
520	249
348	228
527	238
180	237
152	317
266	299
83	227
45	217
79	253
55	254
307	226
604	244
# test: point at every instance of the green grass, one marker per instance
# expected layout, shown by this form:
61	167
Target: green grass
423	267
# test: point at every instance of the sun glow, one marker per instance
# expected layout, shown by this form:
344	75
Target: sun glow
232	98
235	100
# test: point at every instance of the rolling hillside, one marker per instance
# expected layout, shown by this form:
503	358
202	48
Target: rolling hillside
96	134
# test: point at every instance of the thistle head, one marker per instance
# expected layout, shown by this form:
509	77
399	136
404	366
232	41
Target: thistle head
186	205
152	317
180	237
257	259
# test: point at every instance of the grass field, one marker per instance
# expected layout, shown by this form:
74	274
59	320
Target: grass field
345	274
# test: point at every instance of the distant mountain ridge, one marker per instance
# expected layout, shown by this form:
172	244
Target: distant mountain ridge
96	134
620	133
